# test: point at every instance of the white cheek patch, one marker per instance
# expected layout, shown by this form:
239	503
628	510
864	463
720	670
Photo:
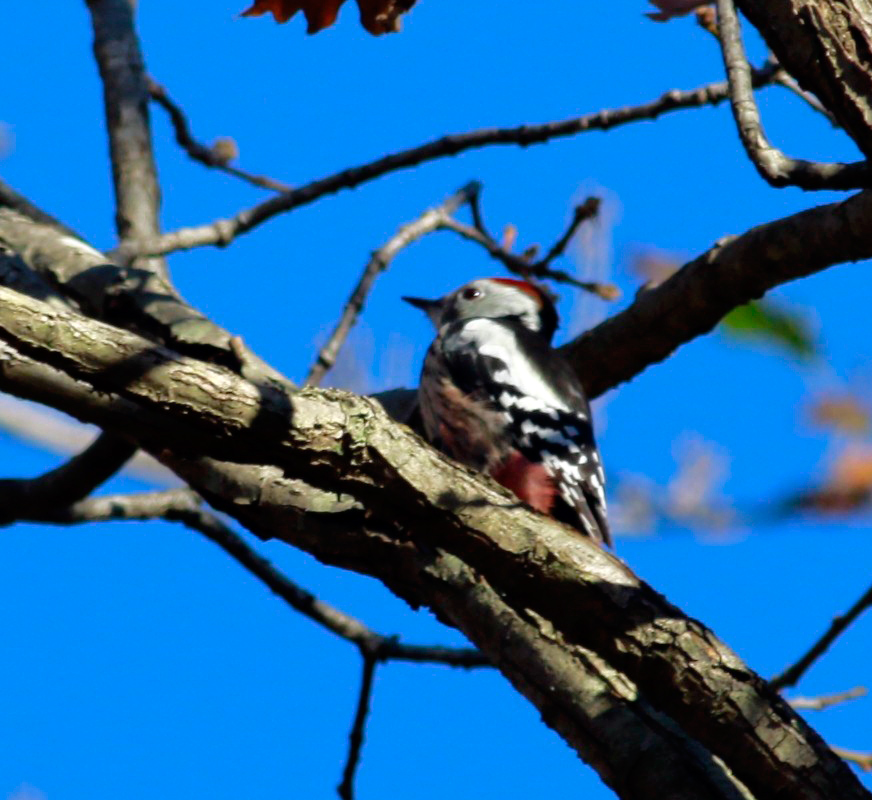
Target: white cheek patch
494	340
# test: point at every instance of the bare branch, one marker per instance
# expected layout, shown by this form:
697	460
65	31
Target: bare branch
134	173
355	738
440	218
706	18
525	268
585	211
429	221
775	167
116	48
522	587
791	676
136	298
825	46
735	271
221	232
786	80
47	429
77	478
183	506
385	647
825	701
200	152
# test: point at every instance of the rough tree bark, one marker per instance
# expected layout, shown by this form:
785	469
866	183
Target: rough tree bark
643	688
652	699
827	46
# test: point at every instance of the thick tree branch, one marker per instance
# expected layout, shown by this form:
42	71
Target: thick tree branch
208	156
791	676
522	587
77	478
132	297
827	47
735	271
221	232
771	163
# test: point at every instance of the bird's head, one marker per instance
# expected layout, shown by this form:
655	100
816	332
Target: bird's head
495	298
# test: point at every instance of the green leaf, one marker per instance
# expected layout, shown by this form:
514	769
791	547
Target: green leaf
765	321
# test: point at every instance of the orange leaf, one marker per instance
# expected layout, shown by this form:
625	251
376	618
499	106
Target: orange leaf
377	16
319	13
848	486
853	469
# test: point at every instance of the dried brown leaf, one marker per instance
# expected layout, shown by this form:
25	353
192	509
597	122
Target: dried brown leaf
377	16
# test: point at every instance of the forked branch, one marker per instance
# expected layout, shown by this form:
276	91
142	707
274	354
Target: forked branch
223	231
772	164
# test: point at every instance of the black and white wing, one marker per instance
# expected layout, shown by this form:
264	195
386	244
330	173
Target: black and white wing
543	406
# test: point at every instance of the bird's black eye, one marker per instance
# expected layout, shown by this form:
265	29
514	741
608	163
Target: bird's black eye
471	293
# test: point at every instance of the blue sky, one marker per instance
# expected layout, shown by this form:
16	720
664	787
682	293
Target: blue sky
140	660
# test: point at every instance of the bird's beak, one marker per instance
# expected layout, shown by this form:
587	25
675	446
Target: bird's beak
432	308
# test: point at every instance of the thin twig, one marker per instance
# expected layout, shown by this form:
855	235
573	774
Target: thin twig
773	165
862	760
355	738
49	430
183	506
221	232
200	152
791	675
440	218
428	222
825	701
66	484
534	269
585	211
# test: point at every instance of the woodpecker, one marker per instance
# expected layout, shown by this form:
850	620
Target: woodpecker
496	396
